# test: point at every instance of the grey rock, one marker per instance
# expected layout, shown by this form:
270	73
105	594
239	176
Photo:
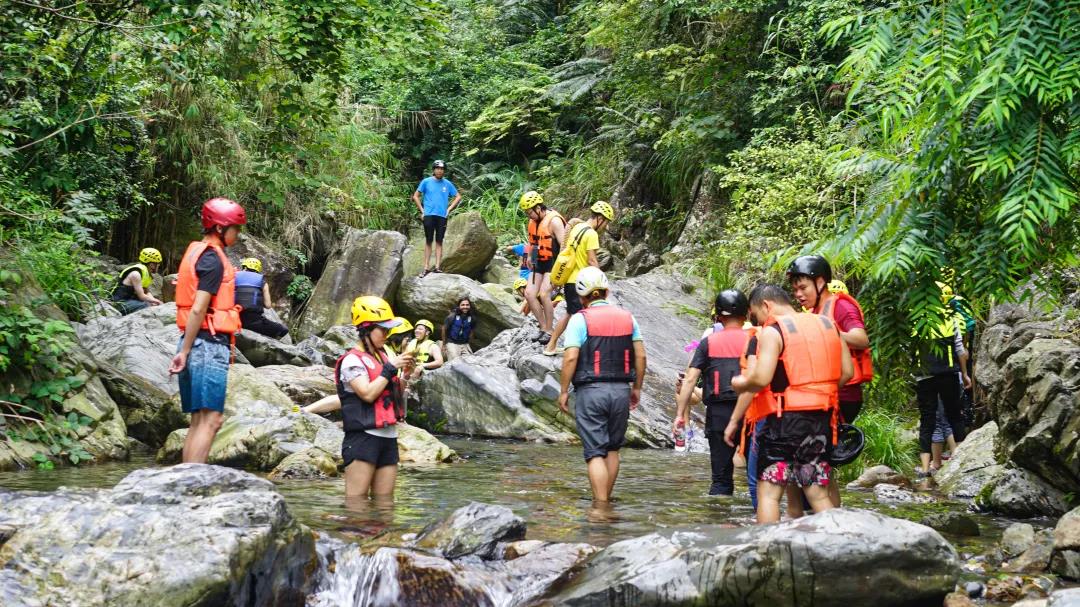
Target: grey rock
1066	597
1066	563
256	441
309	463
325	349
149	413
1017	538
1022	494
364	262
261	350
140	344
418	446
433	296
467	249
641	259
876	475
839	557
302	385
973	464
1036	558
974	589
1067	531
475	529
500	271
888	494
953	523
187	535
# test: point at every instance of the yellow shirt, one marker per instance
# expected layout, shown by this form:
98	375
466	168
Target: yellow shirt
582	243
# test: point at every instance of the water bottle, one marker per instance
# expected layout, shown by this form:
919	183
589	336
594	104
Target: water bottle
680	438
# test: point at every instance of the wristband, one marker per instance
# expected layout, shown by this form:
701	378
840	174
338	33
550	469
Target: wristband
389	371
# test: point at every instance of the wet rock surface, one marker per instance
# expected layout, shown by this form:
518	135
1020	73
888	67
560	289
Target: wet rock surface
952	523
972	466
876	475
186	535
475	529
1021	493
885	493
261	350
839	557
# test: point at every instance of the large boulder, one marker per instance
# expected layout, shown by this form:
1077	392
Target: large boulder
364	262
190	535
261	350
972	466
149	413
303	385
840	557
140	344
276	268
325	349
433	296
509	389
467	249
1029	365
1021	493
500	271
475	529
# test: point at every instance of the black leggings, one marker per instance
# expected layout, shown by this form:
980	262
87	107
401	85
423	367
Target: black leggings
947	387
260	324
720	453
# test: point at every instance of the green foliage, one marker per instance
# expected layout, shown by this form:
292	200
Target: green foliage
885	444
970	120
37	377
300	288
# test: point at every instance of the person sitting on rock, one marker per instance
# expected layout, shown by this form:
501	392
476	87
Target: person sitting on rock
519	288
131	294
458	328
253	294
605	360
802	361
372	401
427	353
398	338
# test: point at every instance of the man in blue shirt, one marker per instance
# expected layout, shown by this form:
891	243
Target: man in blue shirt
432	198
605	360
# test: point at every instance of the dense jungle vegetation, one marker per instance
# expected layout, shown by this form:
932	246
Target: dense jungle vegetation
898	138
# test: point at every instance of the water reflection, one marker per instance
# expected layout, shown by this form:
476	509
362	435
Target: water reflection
364	517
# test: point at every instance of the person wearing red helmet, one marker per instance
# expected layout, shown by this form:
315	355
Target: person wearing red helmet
208	318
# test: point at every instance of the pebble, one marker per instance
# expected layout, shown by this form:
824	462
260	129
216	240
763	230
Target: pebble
974	589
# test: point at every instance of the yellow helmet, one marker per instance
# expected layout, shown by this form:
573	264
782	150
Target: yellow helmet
520	283
946	291
948	275
530	199
604	209
423	322
149	255
404	327
837	286
372	310
250	263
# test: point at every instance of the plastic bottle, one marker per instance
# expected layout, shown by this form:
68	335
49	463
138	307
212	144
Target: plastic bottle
680	436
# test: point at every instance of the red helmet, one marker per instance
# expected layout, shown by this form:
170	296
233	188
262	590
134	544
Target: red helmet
222	212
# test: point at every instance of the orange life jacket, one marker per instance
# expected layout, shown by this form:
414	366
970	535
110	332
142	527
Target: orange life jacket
540	235
861	360
762	404
813	360
223	316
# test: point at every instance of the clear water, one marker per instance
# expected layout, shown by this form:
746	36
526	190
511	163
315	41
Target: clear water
544	484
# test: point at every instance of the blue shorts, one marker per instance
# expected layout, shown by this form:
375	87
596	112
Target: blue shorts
203	380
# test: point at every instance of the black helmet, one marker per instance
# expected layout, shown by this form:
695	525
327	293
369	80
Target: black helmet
849	444
731	302
811	266
438	164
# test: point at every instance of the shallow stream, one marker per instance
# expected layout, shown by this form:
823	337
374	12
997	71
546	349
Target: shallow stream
545	484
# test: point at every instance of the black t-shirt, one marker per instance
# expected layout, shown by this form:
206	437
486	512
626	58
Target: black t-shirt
779	380
210	271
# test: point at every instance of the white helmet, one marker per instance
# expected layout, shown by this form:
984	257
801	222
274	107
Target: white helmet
589	279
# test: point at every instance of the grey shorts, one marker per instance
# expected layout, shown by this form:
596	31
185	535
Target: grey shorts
601	410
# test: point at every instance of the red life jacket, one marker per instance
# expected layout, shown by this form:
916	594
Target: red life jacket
726	349
223	316
608	349
356	413
862	360
541	238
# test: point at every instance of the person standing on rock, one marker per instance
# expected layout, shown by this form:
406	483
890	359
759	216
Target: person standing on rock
605	360
209	319
584	239
132	288
432	198
253	294
372	401
547	231
458	328
942	378
716	361
802	361
810	277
